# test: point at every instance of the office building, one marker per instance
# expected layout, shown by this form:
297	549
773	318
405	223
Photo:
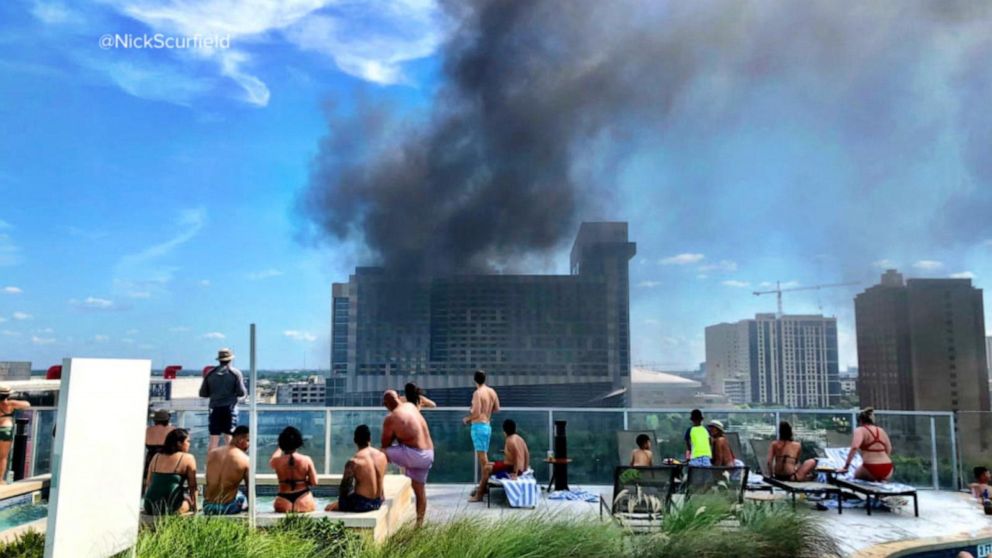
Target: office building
543	339
786	360
737	390
312	391
922	345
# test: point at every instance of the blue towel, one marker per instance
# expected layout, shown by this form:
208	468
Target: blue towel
574	495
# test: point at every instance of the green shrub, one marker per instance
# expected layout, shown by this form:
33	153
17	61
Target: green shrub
330	538
199	537
28	545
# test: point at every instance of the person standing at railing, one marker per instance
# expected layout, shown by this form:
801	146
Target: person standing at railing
225	386
875	448
485	403
407	443
697	442
8	407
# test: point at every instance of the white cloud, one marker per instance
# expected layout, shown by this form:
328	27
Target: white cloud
141	271
300	335
884	264
264	274
127	340
51	13
131	331
6	225
10	253
139	294
727	266
42	340
736	284
651	321
22	316
928	265
153	83
213	335
648	284
683	259
101	338
783	285
11	290
2	319
963	275
178	329
702	276
204	282
10	333
93	303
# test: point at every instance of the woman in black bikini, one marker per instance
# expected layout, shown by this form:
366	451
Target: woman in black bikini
783	457
7	408
296	474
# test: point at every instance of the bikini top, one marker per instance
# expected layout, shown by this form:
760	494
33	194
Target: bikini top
872	445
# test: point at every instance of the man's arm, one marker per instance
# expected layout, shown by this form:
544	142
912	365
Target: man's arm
311	473
387	432
427	403
205	387
191	479
474	413
856	442
276	455
241	390
381	474
495	402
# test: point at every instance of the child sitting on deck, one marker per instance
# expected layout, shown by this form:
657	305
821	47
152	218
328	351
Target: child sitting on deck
642	456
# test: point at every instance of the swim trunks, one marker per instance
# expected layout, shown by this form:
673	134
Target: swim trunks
481	433
233	507
416	462
358	503
223	420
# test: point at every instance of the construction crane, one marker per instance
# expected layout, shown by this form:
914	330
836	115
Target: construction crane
778	290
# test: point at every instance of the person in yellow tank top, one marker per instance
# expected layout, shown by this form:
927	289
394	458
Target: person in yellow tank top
697	442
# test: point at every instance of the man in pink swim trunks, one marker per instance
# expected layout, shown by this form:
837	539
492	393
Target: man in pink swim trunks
406	440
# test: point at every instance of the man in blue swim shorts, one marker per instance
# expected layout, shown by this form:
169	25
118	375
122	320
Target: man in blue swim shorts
485	403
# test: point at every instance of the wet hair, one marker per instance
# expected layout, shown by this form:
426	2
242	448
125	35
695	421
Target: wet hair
174	441
480	377
642	439
785	431
240	431
696	415
979	471
509	427
290	440
867	416
412	393
363	436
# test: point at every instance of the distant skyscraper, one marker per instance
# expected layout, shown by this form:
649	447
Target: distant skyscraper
785	360
560	340
922	345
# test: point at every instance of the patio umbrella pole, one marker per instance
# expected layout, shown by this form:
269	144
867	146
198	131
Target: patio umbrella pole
253	429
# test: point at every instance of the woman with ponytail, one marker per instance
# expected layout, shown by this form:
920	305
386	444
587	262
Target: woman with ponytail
296	474
875	448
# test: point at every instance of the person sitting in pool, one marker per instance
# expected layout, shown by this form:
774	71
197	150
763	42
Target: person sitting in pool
169	470
227	469
642	456
296	474
155	436
783	457
8	407
362	484
875	448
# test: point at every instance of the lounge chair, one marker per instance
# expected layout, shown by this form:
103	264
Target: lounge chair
640	494
730	481
754	481
760	449
836	457
520	493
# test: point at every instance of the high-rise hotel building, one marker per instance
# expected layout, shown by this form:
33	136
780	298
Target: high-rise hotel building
561	340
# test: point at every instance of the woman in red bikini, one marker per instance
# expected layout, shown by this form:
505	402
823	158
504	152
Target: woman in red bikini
875	449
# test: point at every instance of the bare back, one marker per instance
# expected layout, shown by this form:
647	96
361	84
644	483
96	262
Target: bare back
485	403
517	453
873	443
783	457
641	458
723	456
368	466
406	425
227	469
301	474
156	433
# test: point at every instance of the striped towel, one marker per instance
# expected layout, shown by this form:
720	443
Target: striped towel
574	495
522	492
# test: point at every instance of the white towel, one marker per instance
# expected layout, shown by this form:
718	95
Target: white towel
522	492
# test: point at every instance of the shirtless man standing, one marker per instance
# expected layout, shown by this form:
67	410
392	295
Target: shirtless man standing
516	460
413	450
227	469
485	403
361	486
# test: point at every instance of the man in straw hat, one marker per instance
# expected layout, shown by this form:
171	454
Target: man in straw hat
224	385
723	456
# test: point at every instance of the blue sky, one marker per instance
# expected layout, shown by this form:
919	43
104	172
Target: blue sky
149	194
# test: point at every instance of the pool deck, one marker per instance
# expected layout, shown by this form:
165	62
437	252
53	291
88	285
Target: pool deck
950	516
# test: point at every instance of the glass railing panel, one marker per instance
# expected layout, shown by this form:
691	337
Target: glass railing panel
748	426
911	447
818	431
974	441
592	445
945	453
199	435
42	445
271	423
343	424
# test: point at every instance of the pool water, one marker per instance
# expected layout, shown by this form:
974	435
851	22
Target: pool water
14	516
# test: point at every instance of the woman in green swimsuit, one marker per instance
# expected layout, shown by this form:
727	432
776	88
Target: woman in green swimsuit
169	470
7	408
